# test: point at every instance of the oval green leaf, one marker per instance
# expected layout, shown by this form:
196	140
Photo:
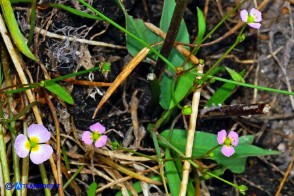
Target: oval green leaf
59	91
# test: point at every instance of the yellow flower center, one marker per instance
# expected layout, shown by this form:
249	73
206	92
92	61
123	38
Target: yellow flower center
33	144
228	141
95	136
250	19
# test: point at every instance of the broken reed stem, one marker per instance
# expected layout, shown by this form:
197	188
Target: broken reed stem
190	134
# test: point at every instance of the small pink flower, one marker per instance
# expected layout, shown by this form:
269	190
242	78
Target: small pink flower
34	144
228	142
96	135
253	19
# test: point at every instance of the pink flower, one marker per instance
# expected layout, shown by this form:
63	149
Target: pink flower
228	142
96	135
253	19
34	144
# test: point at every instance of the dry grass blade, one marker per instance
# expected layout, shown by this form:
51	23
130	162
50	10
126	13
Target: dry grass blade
122	76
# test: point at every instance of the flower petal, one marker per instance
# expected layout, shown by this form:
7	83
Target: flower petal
87	137
256	14
221	136
244	15
43	153
97	127
101	141
40	132
227	150
20	146
234	137
255	25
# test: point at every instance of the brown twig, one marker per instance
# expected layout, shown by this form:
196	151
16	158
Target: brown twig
58	151
285	177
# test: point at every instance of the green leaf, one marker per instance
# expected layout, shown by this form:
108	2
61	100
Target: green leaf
75	11
184	85
206	141
13	28
235	76
223	93
59	91
175	57
172	175
92	189
201	26
201	29
138	28
179	167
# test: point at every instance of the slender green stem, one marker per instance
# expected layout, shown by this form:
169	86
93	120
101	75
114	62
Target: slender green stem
211	32
73	177
65	158
171	66
238	40
250	85
15	162
221	179
176	150
25	162
220	23
74	11
70	75
3	158
32	22
208	152
177	103
44	179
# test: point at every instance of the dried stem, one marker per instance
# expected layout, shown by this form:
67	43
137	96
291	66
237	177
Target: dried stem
190	135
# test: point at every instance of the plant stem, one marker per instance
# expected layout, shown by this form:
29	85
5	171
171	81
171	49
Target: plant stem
44	179
32	22
171	35
73	177
3	158
204	77
249	85
25	163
